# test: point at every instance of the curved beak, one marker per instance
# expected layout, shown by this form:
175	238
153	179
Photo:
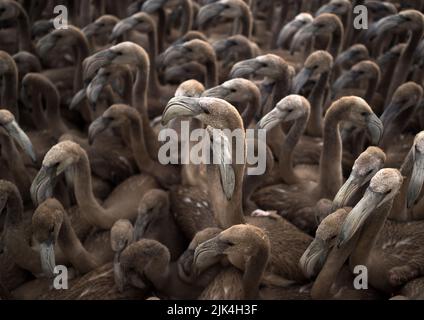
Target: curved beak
21	138
90	29
221	47
47	258
121	27
173	54
98	60
245	68
344	80
327	8
207	254
77	99
209	12
417	179
352	184
41	27
119	276
375	129
287	33
42	185
301	78
95	88
313	258
96	127
343	57
270	120
359	214
185	264
150	6
390	113
301	36
45	44
216	92
180	107
140	226
388	23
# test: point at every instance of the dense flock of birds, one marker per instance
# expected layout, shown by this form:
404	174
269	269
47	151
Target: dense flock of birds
83	193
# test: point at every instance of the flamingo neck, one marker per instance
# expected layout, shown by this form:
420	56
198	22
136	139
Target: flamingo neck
369	235
83	189
331	177
317	99
73	249
285	159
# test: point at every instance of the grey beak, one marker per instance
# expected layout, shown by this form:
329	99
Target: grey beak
47	258
216	92
346	192
96	127
313	258
95	88
179	107
77	99
44	45
173	54
150	6
42	185
244	68
209	12
343	81
417	179
270	120
121	27
375	129
390	113
301	78
21	138
93	63
140	226
207	254
357	217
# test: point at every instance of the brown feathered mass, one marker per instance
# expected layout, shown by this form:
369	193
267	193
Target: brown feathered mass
312	114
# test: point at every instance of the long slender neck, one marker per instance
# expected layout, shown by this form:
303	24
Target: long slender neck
285	159
10	90
399	211
138	146
83	190
253	272
72	248
128	82
211	73
161	29
15	164
331	269
38	117
250	111
187	21
228	212
154	87
369	234
336	41
405	61
25	43
331	177
316	98
247	22
56	125
17	237
372	86
82	52
139	98
281	88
